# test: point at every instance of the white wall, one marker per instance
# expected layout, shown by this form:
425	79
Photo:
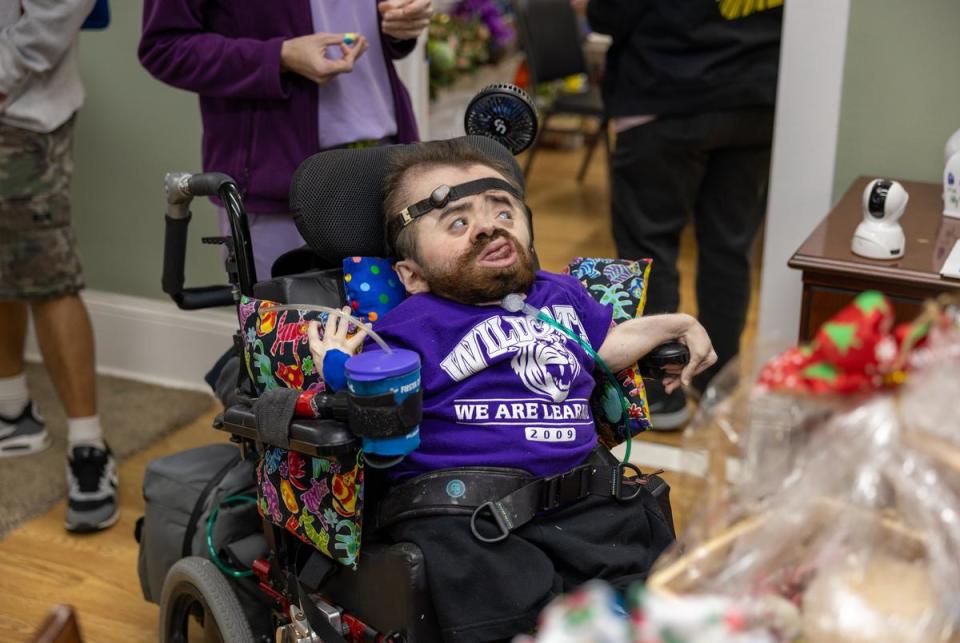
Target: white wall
804	149
415	74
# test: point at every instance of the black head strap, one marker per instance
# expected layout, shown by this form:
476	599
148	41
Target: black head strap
445	194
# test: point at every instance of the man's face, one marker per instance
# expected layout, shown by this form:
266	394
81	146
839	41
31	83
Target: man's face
476	249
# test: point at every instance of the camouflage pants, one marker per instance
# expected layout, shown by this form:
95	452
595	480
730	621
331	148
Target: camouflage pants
38	257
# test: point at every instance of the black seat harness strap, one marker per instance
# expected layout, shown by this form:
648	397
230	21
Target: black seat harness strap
507	498
519	507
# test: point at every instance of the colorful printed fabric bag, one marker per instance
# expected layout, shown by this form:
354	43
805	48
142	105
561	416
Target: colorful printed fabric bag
620	284
317	499
275	346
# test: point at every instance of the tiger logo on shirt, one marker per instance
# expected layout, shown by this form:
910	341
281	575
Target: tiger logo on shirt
547	368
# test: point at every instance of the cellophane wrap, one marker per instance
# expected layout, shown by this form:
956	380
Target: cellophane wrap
825	493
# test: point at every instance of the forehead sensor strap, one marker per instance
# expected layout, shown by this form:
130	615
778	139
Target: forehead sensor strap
445	194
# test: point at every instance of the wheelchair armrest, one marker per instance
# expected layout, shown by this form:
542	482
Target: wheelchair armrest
311	437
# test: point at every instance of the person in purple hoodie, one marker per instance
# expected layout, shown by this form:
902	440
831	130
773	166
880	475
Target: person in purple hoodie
280	81
508	394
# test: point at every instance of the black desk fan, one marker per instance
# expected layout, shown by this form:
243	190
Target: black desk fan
504	113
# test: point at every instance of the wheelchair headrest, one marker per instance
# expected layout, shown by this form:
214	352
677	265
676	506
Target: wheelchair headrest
336	197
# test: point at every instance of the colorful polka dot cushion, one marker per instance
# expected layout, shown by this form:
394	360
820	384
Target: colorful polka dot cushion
371	286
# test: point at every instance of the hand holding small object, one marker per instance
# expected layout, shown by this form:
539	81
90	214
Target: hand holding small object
307	55
334	337
405	19
702	357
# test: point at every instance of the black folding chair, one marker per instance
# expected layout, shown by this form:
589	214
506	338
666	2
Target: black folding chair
551	39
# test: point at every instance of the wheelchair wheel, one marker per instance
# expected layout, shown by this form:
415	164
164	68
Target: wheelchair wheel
198	604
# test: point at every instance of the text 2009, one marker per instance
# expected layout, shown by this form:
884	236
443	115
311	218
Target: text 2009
543	434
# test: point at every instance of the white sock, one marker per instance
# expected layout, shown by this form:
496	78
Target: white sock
85	431
13	395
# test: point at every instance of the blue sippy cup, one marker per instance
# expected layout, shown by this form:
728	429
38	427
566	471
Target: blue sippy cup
376	373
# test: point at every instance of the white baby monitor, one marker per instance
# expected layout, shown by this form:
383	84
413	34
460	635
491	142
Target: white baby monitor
879	235
951	176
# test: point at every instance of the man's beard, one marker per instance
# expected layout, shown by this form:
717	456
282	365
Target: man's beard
468	283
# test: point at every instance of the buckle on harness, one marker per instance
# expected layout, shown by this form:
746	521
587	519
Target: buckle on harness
565	487
620	481
497	519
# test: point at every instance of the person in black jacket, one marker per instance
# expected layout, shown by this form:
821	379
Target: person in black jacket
689	88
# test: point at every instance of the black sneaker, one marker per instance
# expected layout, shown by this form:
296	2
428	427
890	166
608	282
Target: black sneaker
92	492
24	434
668	412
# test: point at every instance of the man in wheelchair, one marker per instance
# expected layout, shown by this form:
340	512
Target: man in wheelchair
506	424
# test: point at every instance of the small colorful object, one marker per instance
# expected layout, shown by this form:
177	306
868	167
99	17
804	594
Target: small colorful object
349	38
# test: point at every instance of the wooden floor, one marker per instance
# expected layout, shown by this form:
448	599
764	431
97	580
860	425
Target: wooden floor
41	565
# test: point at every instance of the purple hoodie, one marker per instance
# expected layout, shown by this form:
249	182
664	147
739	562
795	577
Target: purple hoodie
258	124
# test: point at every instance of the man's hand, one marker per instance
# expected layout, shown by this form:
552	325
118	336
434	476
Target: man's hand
405	19
307	56
334	337
631	340
702	357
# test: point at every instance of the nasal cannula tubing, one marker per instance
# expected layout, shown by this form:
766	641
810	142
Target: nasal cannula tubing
334	311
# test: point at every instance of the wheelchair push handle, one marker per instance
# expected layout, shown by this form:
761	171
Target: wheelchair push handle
209	183
180	188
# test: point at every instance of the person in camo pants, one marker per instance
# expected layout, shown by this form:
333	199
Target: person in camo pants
40	93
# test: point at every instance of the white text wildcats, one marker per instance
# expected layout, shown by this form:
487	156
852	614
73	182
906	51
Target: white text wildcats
502	334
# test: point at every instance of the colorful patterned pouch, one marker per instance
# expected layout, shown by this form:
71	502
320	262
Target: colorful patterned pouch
317	499
275	346
620	284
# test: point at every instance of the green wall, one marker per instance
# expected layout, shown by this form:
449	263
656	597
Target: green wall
899	105
130	132
900	99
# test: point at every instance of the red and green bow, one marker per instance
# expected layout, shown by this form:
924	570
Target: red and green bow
857	351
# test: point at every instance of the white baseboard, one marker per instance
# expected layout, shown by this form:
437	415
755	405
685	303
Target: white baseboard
652	455
153	341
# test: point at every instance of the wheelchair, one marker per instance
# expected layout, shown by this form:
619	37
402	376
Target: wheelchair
336	200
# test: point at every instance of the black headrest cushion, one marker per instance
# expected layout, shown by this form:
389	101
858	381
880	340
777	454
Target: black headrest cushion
336	197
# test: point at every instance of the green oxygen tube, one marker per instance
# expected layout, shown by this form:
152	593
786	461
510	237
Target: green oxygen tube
515	303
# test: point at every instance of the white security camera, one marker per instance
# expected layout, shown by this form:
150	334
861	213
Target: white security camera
879	235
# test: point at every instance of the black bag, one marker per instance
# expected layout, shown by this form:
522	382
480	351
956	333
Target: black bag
180	492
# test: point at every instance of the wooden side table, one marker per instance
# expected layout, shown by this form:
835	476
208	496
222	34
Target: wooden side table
833	275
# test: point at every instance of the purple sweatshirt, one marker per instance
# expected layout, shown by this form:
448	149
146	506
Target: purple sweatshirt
258	124
500	389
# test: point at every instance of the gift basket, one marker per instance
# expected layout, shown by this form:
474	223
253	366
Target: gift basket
829	499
